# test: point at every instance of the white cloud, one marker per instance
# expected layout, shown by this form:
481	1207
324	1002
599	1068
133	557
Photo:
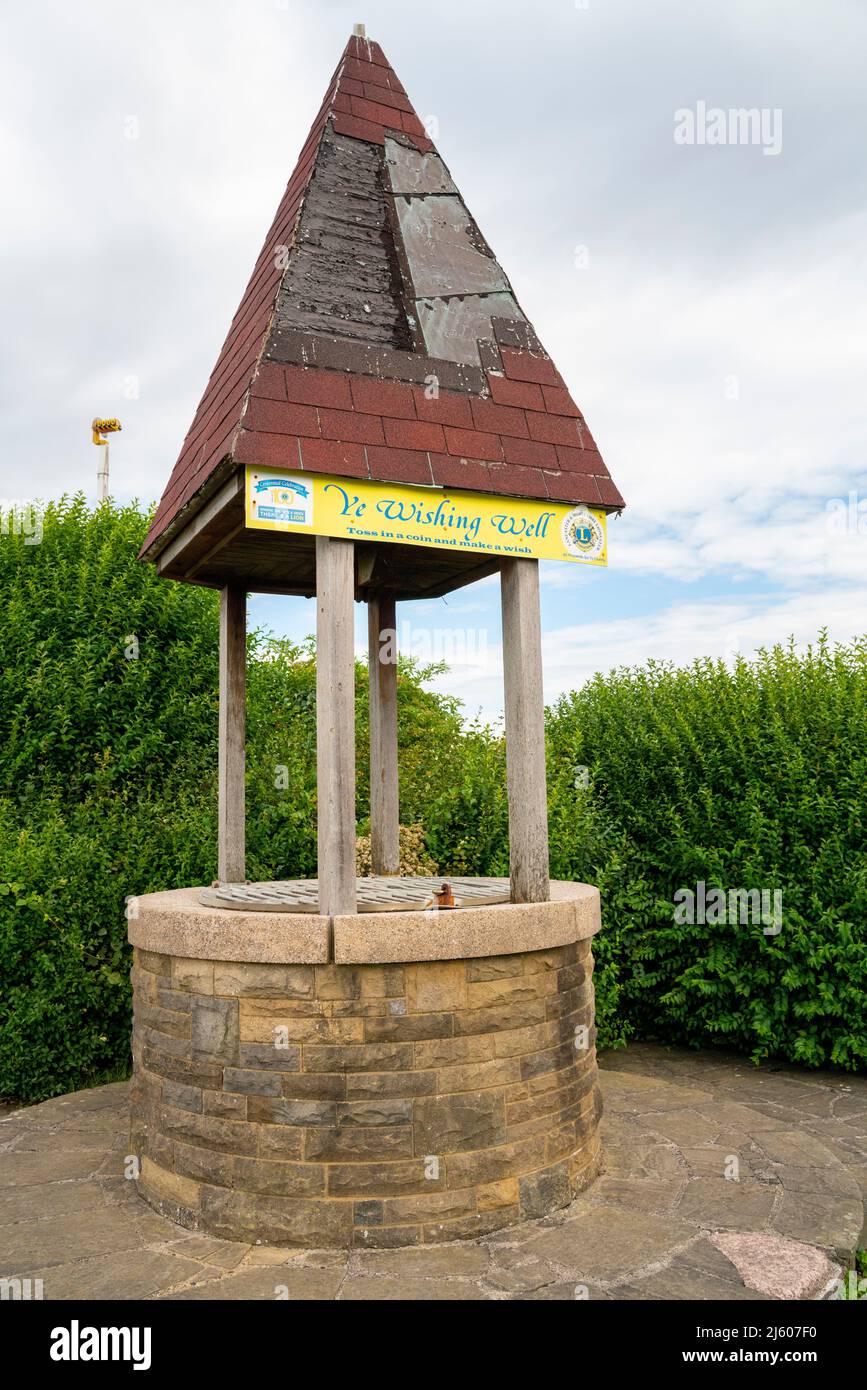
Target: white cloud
680	633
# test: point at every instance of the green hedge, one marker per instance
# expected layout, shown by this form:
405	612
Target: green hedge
744	778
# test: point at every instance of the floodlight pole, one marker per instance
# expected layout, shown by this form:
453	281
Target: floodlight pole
102	474
100	428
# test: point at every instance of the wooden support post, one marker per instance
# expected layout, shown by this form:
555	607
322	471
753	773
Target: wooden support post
335	723
382	661
525	731
233	659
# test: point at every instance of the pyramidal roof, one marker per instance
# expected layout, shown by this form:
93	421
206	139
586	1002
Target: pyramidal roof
379	337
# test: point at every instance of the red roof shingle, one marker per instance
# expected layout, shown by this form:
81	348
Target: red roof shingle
326	363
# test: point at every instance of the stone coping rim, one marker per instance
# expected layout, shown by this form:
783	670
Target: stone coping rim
176	923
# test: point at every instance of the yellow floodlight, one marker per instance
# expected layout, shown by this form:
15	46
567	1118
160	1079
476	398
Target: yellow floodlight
101	427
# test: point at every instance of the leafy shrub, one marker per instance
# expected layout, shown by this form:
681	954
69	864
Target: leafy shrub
414	858
743	778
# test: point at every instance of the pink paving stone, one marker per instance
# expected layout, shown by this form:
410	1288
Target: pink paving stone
774	1266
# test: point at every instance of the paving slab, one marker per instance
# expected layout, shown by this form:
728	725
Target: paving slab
669	1218
275	1285
774	1266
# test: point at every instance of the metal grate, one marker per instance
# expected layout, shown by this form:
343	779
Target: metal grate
374	894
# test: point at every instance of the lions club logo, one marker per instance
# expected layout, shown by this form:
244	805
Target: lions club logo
582	534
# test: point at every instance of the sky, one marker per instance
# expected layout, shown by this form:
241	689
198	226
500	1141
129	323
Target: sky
705	302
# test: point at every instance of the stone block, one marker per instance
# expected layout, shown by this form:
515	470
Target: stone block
225	1136
511	990
163	1042
382	981
263	1029
315	1085
571	977
384	1179
375	1112
145	986
195	976
282	1006
270	1056
547	1102
545	1191
499	1019
408	1028
493	1195
354	1142
215	1030
292	1221
252	1083
452	1124
435	987
177	1000
244	978
280	1179
269	1111
182	1097
153	963
552	1059
447	1052
560	1143
280	1141
168	1187
205	1165
518	1042
226	1107
360	1008
568	1114
185	1070
372	1085
491	1165
471	1227
385	1237
477	1076
367	1057
425	1206
555	959
167	1022
496	967
338	982
367	1213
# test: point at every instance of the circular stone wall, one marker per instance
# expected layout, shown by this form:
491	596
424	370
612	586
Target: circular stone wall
317	1100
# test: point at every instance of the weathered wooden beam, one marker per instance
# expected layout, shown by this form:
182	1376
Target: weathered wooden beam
223	501
384	803
335	724
525	731
232	735
213	550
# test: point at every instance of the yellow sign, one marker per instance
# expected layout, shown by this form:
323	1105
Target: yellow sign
360	510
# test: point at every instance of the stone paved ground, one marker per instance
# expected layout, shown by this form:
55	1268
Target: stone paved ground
663	1222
